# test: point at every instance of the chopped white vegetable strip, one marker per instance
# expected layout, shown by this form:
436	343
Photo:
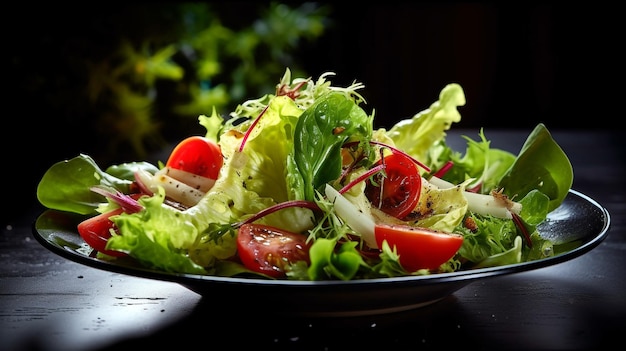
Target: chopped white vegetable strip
483	204
174	189
440	183
195	181
360	222
145	178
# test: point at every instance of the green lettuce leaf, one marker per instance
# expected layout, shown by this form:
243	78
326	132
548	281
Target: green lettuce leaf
329	263
159	237
321	131
418	134
540	165
66	185
256	177
480	162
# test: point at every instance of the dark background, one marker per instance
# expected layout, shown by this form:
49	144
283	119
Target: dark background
519	65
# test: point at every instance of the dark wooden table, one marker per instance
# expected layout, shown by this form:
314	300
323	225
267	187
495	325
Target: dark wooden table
51	303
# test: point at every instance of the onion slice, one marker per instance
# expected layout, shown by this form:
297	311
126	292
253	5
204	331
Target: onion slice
360	222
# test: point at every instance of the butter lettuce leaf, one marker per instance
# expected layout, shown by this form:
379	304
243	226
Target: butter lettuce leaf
159	237
418	134
255	177
446	207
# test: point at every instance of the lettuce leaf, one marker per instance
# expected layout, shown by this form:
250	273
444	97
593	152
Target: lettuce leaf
256	177
418	134
159	237
66	185
328	262
319	135
480	162
540	165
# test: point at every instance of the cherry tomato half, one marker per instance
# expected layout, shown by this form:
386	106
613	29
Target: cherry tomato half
419	248
197	155
401	187
95	231
265	249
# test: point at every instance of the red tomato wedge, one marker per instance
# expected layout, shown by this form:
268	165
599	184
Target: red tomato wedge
398	193
419	248
197	155
95	231
266	249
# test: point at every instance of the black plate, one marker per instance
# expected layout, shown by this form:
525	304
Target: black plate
579	218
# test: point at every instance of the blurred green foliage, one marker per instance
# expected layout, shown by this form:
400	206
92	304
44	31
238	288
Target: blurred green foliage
137	76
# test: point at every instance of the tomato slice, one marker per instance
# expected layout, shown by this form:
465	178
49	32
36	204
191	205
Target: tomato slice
267	250
197	155
419	248
95	231
398	192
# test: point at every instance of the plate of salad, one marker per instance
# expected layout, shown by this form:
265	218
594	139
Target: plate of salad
296	199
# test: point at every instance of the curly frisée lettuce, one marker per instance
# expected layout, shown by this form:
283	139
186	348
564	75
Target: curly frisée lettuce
299	159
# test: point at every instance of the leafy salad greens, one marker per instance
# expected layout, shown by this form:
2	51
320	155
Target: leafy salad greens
281	154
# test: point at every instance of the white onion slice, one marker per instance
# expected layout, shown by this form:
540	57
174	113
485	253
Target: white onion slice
361	223
174	189
195	181
483	204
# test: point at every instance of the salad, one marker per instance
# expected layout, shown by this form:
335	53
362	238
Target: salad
298	184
